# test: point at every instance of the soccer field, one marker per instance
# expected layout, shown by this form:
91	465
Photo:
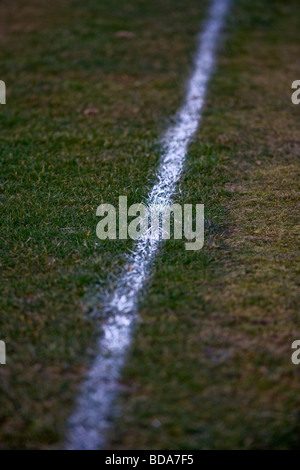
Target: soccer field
93	93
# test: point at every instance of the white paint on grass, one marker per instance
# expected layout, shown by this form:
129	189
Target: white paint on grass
89	425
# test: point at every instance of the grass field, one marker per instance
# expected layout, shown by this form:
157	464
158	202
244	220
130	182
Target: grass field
211	363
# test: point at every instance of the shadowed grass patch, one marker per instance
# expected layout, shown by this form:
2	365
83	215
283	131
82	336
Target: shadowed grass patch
211	365
58	163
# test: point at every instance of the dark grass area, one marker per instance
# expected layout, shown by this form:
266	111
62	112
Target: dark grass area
58	164
211	365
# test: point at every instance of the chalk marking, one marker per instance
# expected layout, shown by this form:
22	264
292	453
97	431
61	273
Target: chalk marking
89	425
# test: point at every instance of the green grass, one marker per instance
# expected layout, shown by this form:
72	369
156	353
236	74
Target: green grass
57	165
210	366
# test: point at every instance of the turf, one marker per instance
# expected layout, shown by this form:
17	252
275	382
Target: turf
58	163
210	366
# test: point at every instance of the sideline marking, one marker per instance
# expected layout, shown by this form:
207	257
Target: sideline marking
90	422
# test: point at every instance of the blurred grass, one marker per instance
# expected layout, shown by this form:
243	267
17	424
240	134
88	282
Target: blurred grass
211	365
58	164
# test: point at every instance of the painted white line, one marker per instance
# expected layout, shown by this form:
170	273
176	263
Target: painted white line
89	425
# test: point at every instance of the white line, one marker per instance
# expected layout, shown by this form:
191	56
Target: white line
89	424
